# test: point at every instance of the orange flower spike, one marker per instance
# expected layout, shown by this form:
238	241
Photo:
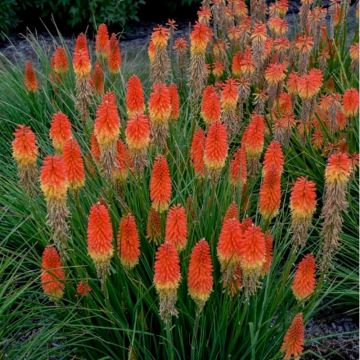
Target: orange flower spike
135	103
74	164
247	65
30	79
216	146
102	43
218	69
351	102
275	73
167	279
59	61
53	180
81	58
232	212
229	95
167	268
114	58
138	132
60	130
200	279
122	162
128	242
107	122
160	104
197	152
304	281
237	169
98	79
284	103
94	148
236	64
338	169
294	338
204	14
199	38
293	83
210	105
175	102
273	157
100	238
160	184
229	240
153	227
180	45
268	253
254	139
309	84
252	249
52	274
270	194
24	148
160	37
151	52
83	289
341	120
278	26
176	227
303	199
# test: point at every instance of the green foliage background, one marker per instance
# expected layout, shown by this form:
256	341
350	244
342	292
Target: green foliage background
71	13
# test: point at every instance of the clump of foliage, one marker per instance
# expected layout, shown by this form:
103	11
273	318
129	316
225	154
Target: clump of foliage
205	206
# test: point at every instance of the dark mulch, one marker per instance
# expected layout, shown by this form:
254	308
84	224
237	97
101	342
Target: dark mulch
333	337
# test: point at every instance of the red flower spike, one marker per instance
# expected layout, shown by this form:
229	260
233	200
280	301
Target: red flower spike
304	280
52	274
252	248
216	146
294	338
30	79
351	102
210	105
135	102
274	157
175	102
167	268
160	184
197	152
138	132
59	61
99	234
114	58
74	164
102	43
176	227
53	180
60	130
107	122
24	148
81	58
200	279
128	242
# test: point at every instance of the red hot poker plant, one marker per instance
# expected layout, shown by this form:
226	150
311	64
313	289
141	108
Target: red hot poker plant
52	274
160	185
100	239
54	185
200	279
128	242
167	279
25	152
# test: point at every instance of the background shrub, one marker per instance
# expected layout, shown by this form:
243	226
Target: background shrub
68	14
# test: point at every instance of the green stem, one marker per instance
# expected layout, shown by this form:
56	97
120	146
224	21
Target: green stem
169	340
194	335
